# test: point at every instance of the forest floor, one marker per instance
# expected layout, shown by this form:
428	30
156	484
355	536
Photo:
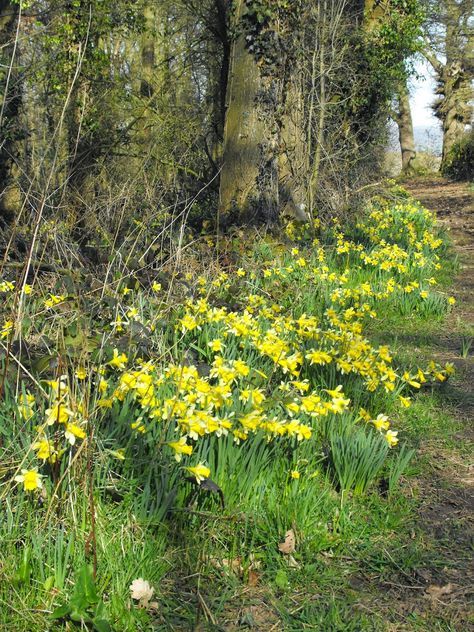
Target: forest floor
388	559
441	589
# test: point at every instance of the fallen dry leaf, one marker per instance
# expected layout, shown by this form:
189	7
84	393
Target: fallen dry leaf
141	591
288	546
234	565
435	592
253	578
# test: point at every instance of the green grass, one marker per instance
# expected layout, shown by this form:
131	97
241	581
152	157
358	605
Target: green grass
122	503
335	542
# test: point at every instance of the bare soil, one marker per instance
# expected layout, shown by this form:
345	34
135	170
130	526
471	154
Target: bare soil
453	203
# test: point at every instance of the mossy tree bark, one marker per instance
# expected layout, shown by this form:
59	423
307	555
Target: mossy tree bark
319	68
10	106
454	109
244	131
264	135
453	37
374	12
292	161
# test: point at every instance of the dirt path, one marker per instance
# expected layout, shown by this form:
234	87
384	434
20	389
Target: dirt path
447	493
454	206
453	203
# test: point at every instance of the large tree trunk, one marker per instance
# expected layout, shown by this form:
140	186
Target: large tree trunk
244	131
454	108
292	159
220	45
405	130
10	105
264	137
319	66
456	75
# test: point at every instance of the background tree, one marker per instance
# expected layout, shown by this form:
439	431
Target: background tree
305	142
128	121
449	47
401	114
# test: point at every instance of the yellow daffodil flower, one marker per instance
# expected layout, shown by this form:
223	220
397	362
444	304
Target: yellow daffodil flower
216	345
180	447
6	329
200	472
31	480
391	437
73	432
119	360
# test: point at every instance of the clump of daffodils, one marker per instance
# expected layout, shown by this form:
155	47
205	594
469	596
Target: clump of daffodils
61	426
273	370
